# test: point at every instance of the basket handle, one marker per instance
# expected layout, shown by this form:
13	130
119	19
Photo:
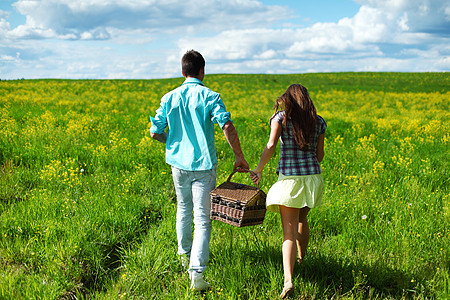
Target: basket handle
245	171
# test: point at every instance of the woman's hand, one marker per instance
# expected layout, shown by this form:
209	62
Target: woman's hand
255	176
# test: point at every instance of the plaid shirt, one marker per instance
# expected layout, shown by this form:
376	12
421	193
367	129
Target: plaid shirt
293	161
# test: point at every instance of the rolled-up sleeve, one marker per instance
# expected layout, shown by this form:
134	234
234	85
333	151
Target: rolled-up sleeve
219	115
159	122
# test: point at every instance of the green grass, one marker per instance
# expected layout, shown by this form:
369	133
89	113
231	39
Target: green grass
87	205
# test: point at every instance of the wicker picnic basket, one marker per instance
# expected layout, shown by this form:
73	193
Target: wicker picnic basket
238	204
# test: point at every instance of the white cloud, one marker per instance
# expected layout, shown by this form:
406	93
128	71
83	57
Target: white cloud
83	59
38	33
372	40
428	16
94	19
403	22
239	44
96	34
7	58
146	38
266	55
4	24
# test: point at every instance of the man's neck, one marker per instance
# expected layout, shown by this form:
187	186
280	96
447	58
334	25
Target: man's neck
196	77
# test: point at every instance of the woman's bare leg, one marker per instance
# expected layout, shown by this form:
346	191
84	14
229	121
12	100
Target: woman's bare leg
303	233
289	219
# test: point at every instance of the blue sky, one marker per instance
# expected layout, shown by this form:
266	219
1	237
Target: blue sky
146	38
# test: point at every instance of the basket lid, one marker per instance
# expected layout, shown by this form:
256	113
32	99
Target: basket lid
235	192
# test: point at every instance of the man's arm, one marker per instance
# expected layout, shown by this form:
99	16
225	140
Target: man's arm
159	124
232	137
160	137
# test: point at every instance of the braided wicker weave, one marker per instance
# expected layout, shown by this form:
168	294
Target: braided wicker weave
238	204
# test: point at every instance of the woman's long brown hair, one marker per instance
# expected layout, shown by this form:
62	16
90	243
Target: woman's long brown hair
300	110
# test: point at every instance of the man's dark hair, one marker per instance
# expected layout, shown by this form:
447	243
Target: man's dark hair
191	63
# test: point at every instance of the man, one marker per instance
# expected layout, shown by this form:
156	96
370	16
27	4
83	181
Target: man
190	112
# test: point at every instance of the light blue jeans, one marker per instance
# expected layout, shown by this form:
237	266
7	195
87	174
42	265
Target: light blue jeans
193	200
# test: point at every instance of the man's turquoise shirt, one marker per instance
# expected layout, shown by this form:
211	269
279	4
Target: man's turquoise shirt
190	111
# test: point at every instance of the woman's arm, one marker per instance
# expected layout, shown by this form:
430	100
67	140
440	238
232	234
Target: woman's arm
319	151
269	150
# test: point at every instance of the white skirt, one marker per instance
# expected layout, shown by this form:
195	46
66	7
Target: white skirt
295	191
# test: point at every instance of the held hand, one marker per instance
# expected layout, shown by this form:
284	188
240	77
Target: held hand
241	164
255	176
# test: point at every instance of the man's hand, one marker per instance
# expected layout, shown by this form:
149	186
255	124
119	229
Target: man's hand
241	164
159	137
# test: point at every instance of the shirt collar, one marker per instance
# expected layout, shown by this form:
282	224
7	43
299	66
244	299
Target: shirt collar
193	80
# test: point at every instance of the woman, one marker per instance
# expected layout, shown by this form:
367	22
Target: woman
300	185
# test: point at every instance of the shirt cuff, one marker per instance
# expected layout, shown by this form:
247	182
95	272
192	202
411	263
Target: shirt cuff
222	119
154	128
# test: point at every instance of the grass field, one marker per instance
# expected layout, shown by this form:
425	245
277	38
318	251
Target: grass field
87	205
